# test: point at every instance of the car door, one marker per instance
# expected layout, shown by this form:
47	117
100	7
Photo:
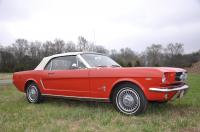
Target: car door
66	76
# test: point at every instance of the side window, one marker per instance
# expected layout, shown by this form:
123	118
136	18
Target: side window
58	63
64	63
48	66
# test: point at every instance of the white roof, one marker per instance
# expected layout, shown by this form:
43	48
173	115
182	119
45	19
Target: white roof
45	60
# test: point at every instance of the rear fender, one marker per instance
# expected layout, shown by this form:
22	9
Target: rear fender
33	80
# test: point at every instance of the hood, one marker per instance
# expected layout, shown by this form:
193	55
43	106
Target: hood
152	71
137	71
162	69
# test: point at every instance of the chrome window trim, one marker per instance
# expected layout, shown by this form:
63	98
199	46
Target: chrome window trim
76	61
76	56
79	59
50	65
84	61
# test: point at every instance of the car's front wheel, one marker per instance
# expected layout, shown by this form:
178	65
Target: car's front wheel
129	99
33	94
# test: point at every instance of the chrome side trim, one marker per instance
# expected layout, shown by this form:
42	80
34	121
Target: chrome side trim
169	90
42	84
75	97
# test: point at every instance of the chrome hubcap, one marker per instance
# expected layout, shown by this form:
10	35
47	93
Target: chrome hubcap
32	93
128	100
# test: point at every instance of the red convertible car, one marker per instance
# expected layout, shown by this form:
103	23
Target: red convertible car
95	76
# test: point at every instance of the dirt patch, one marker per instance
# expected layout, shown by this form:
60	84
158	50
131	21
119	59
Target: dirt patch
6	76
192	129
195	68
5	82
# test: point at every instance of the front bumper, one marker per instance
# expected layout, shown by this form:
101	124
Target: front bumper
179	91
184	87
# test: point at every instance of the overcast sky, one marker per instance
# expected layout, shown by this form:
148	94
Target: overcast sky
111	23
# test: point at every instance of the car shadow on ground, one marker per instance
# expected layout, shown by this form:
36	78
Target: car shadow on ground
152	108
77	102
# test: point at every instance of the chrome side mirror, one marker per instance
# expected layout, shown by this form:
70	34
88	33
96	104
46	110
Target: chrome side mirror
74	66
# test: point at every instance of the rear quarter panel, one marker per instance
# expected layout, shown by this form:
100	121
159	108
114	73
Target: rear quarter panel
20	78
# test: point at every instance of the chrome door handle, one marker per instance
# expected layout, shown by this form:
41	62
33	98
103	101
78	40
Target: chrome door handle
51	73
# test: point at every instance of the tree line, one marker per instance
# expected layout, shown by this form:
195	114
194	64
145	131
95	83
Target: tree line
25	55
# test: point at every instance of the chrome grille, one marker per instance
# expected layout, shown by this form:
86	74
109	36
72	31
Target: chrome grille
181	76
178	76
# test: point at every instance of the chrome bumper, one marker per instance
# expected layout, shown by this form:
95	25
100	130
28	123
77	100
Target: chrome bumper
169	90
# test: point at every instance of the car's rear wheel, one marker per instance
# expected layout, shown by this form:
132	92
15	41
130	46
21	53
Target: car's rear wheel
129	99
33	94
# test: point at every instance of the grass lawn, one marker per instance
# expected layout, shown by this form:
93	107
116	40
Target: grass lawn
16	114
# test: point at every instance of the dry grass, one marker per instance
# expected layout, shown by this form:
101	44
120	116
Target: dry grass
16	114
5	76
195	68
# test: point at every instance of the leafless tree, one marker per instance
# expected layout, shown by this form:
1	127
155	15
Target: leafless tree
154	55
35	49
82	44
174	49
126	56
174	55
20	48
47	48
70	47
24	55
59	46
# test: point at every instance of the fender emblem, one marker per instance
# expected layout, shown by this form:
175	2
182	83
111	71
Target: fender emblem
102	88
148	78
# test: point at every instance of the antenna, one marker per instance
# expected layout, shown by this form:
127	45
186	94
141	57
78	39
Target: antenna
94	41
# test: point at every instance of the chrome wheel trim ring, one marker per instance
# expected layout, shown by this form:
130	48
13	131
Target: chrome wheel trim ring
32	93
128	100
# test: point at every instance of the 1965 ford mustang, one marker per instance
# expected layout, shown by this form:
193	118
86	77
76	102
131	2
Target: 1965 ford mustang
95	76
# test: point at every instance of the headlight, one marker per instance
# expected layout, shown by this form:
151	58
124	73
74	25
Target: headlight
183	76
164	78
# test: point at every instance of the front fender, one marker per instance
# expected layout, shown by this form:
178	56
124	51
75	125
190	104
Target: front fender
129	80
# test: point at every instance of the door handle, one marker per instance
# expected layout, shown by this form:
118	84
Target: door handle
51	73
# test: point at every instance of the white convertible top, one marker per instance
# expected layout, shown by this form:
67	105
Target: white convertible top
45	60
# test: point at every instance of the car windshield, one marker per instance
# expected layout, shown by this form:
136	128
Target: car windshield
97	60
